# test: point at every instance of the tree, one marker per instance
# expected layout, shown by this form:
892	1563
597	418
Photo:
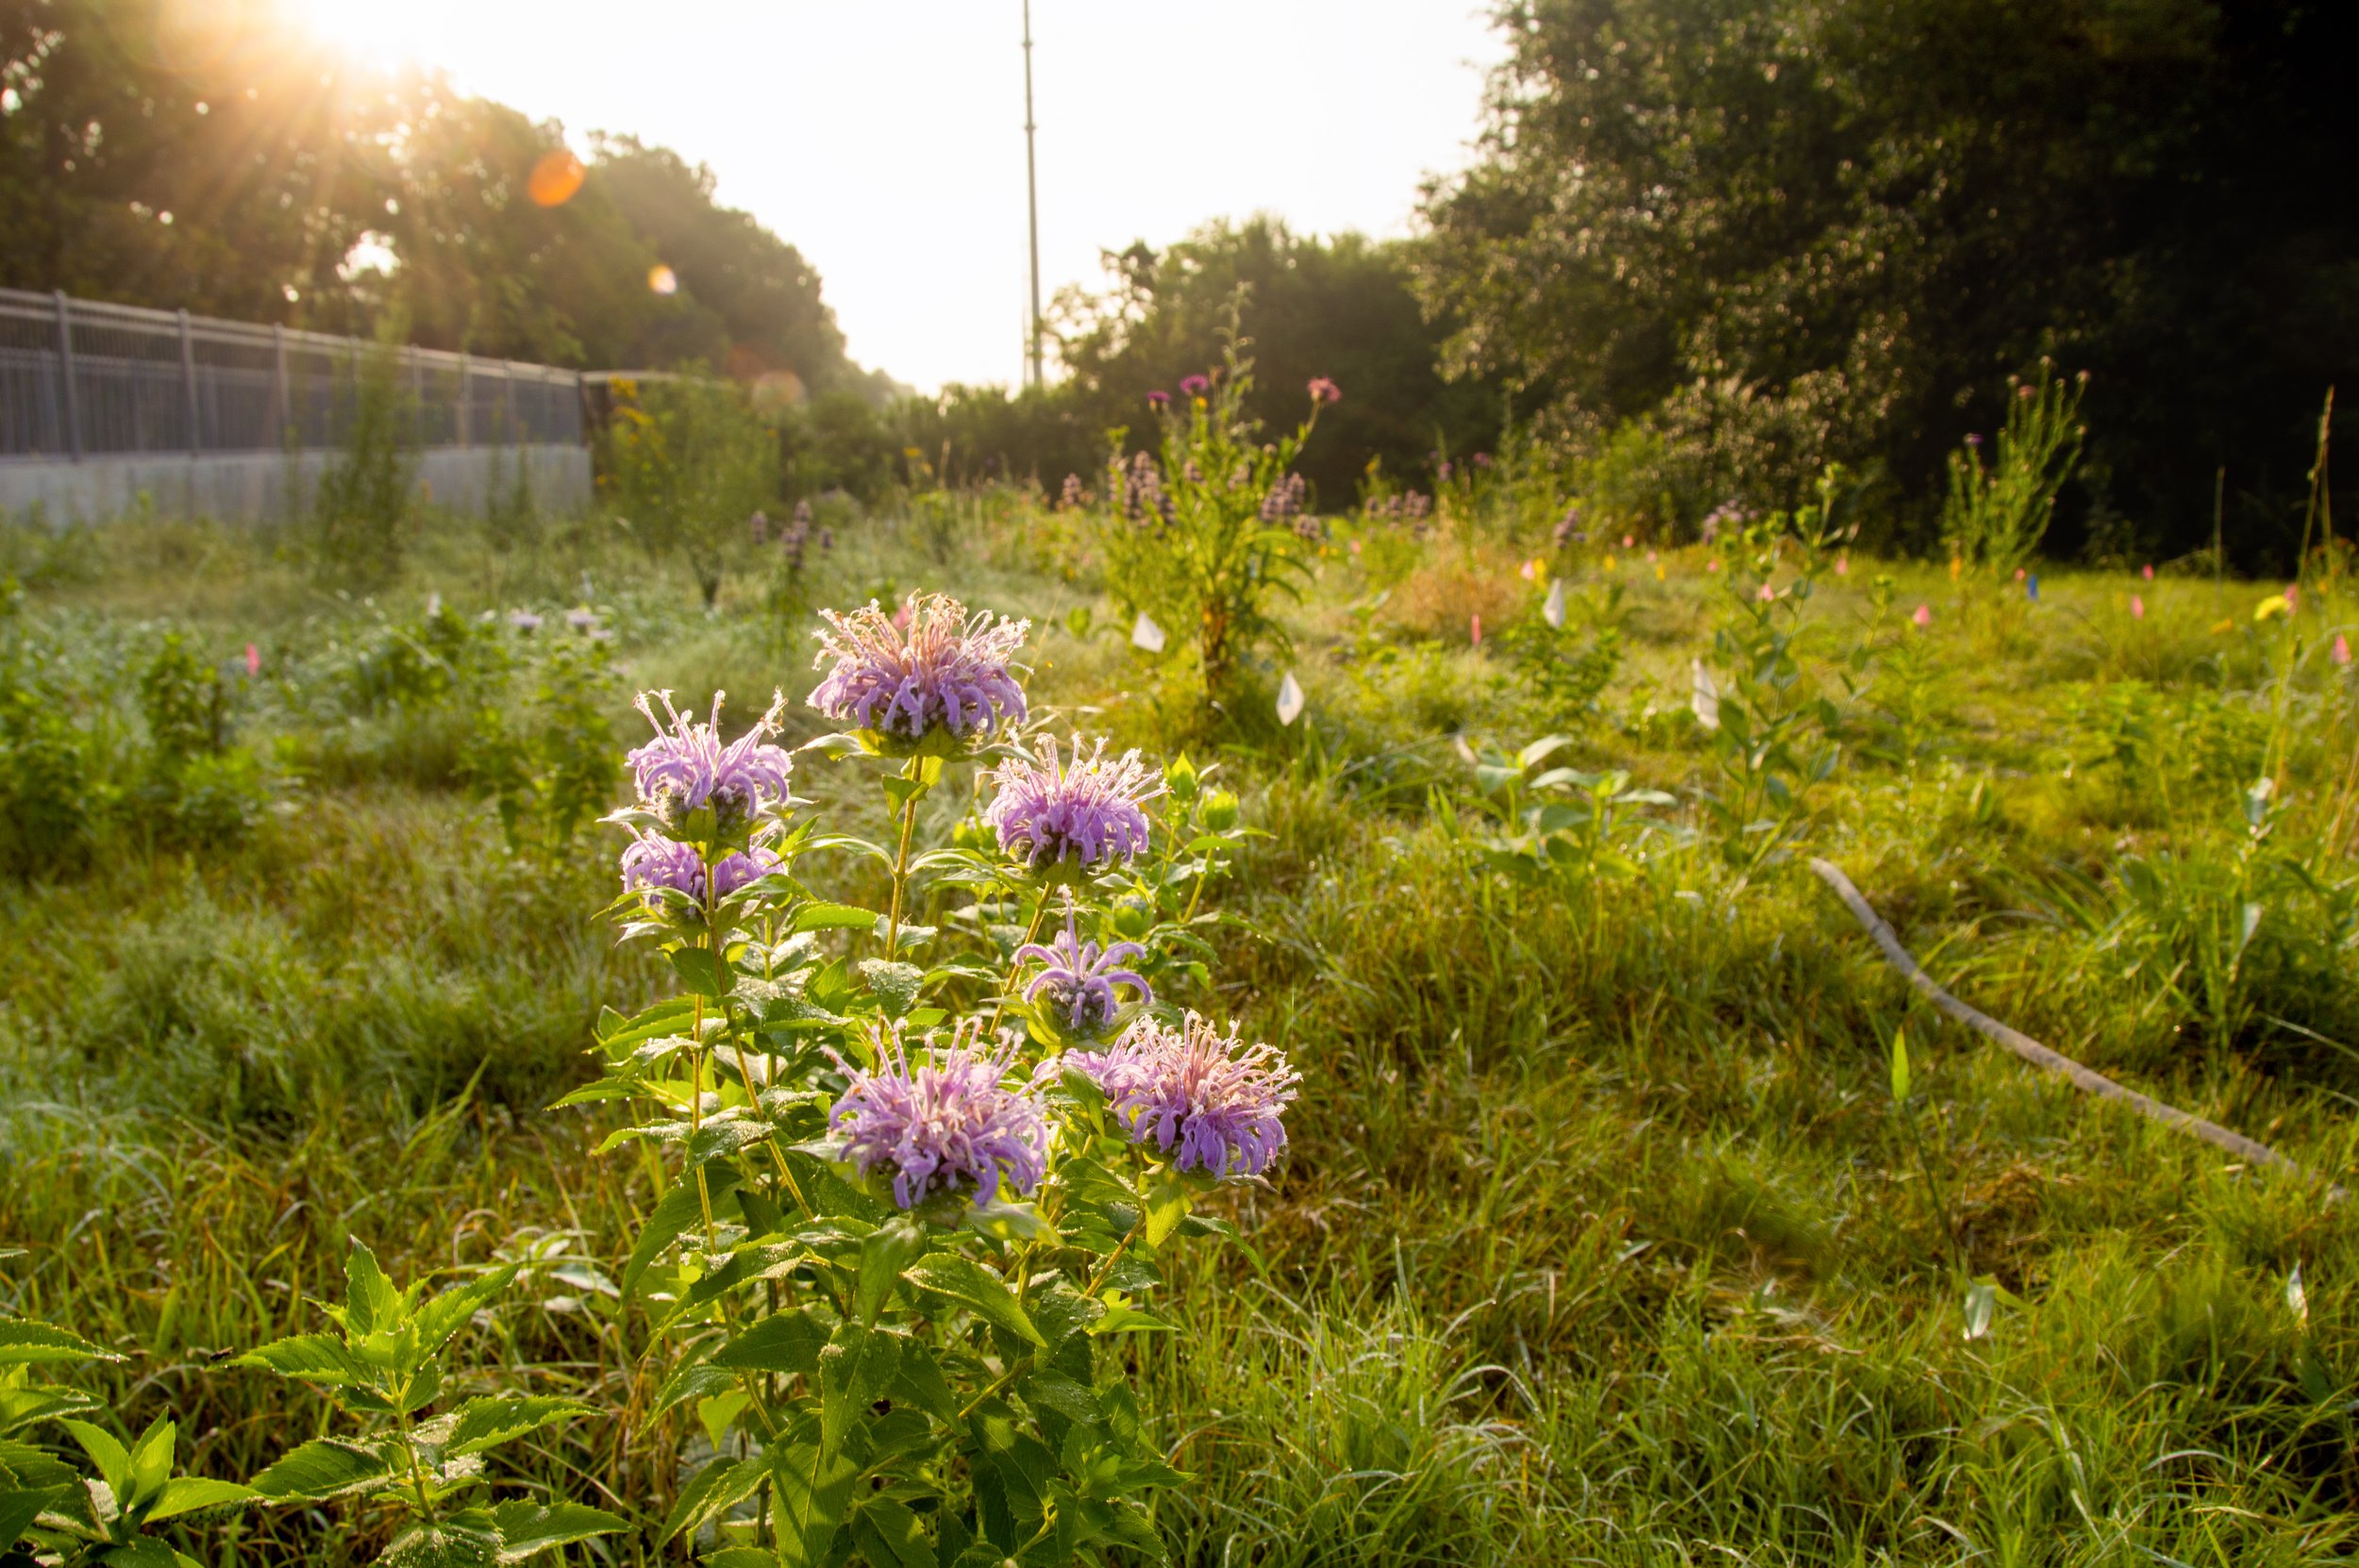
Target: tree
1798	231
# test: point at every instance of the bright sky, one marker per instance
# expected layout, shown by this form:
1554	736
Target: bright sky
884	138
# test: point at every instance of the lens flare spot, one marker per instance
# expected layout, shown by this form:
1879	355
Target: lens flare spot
556	178
663	279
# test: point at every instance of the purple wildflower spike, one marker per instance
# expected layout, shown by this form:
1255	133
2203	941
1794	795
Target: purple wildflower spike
1211	1102
949	1121
686	767
1080	981
939	668
1084	807
1195	385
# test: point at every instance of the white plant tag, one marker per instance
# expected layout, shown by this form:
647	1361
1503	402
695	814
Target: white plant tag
1553	611
1703	698
1289	699
1146	636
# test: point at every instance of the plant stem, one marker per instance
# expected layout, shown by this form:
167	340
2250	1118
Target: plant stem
901	865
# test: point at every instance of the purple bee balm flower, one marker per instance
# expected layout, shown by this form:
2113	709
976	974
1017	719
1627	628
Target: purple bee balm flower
944	1123
1085	808
686	767
1158	400
940	668
1195	385
650	863
1078	980
1211	1102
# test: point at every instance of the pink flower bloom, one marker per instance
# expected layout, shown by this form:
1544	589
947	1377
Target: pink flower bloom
1478	631
253	660
933	664
1528	570
1628	540
1712	566
1324	391
2147	571
1195	385
2018	574
2342	649
2137	607
1842	566
1767	594
1923	615
2293	597
1355	546
1159	399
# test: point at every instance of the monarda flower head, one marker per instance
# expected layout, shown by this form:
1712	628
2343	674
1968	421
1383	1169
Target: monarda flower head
946	1122
1080	813
686	769
1209	1101
650	863
1077	981
941	672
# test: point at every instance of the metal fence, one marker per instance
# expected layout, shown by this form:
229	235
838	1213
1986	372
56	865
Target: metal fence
82	379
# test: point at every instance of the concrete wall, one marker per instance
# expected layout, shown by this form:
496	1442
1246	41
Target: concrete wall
254	486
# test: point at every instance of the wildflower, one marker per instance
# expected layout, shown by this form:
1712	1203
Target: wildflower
1842	566
1483	460
1528	570
651	862
1159	401
2147	571
582	618
2137	607
760	524
934	667
687	769
1209	1101
253	660
1568	527
944	1122
524	621
1768	595
1085	807
1922	615
2341	651
827	540
1324	391
1628	539
1973	438
1195	385
1142	491
1474	629
2271	607
1444	472
1079	979
1285	499
802	513
2293	597
1071	497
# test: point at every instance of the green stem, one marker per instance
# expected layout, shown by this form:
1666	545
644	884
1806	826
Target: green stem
901	867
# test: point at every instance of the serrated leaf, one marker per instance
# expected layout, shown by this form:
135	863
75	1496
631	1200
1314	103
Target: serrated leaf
437	1319
113	1459
784	1343
890	1536
700	971
973	1286
487	1423
324	1468
882	1257
717	1488
448	1544
526	1527
25	1342
371	1302
814	1483
21	1506
188	1494
678	1210
894	984
855	1368
314	1358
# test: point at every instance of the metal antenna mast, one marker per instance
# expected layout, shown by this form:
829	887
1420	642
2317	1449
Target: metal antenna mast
1031	193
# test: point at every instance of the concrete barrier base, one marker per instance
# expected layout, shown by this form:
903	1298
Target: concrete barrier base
247	486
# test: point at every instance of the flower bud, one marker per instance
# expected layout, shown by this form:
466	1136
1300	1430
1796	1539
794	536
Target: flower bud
1133	917
1220	810
1180	778
970	834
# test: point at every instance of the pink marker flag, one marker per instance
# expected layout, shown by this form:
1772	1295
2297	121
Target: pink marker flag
2148	572
1923	616
253	660
2342	649
2137	607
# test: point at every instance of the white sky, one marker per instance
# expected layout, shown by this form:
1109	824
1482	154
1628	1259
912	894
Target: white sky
884	138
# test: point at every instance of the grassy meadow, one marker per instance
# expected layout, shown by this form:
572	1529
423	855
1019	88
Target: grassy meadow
1601	1237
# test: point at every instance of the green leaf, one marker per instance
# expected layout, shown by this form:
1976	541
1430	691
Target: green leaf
701	973
151	1463
324	1468
189	1494
21	1506
882	1257
890	1536
112	1459
813	1484
1900	1067
437	1319
833	917
528	1527
718	1487
1168	1202
449	1544
26	1343
855	1369
142	1552
971	1285
488	1422
371	1302
893	984
615	1033
783	1343
675	1213
314	1358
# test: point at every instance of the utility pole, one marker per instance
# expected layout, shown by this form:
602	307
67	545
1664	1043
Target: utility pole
1031	193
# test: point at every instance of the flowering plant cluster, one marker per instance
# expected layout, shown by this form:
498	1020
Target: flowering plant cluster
923	1164
1206	528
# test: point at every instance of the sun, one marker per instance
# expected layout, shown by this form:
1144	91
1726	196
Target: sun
375	34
